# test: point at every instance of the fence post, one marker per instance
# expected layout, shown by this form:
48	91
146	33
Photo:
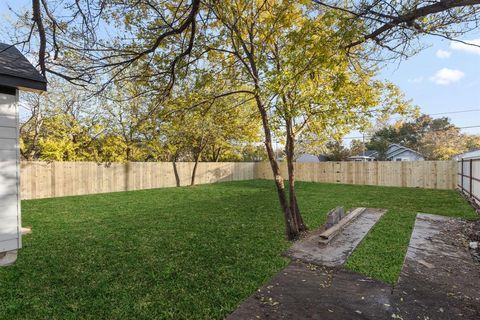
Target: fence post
461	177
471	176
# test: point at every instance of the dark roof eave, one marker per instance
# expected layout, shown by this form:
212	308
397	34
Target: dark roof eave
22	83
17	72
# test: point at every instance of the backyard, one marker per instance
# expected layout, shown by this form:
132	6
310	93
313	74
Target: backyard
190	252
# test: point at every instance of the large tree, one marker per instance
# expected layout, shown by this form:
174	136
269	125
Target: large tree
160	40
105	33
319	93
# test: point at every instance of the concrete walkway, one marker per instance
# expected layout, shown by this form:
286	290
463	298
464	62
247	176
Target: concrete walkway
335	253
439	280
302	291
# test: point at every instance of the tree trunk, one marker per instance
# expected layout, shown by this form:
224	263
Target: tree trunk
290	152
127	153
194	172
216	154
175	170
291	227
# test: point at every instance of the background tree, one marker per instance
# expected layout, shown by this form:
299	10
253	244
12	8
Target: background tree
472	142
254	153
357	147
195	124
30	127
442	144
60	126
436	139
126	116
336	151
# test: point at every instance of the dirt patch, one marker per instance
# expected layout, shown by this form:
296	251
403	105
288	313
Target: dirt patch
472	232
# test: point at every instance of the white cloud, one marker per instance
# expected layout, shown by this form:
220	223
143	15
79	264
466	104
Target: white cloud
472	47
446	76
416	80
443	54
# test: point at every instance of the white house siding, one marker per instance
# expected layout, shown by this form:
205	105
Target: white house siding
10	238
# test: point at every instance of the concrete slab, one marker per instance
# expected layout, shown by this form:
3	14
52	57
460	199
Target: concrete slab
439	279
303	291
8	258
336	252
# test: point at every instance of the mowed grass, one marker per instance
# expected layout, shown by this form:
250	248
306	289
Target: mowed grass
187	253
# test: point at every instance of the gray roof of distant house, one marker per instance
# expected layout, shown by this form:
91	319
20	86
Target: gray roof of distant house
369	153
17	72
395	149
399	149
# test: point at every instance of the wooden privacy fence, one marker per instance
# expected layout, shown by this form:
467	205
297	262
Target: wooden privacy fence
469	178
57	179
417	174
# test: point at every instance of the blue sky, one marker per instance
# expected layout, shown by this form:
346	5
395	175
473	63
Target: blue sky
443	77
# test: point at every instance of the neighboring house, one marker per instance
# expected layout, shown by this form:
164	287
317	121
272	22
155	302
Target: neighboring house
369	155
361	158
467	155
308	158
395	152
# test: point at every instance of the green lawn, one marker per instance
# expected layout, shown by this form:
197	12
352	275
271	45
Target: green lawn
187	253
